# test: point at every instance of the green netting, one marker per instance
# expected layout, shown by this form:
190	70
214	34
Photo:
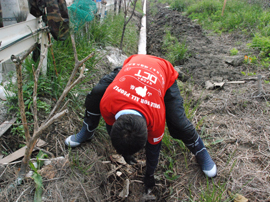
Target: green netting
81	11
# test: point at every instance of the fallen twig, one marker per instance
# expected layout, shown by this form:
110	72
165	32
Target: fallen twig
47	152
112	171
3	172
266	140
84	191
22	193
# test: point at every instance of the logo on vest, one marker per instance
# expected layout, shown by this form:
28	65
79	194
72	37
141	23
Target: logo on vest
158	138
141	91
146	77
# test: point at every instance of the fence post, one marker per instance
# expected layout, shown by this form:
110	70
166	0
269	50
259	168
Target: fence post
142	40
43	38
102	12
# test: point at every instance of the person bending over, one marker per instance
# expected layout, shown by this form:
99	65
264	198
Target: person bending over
136	100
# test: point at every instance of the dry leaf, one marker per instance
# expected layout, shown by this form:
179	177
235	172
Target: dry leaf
119	159
125	192
129	169
240	198
118	173
48	171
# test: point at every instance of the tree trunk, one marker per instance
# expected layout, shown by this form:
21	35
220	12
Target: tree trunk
119	9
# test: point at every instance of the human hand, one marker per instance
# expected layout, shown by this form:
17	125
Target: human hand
130	159
149	182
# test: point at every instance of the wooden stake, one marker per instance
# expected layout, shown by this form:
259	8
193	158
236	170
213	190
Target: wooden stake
224	4
54	64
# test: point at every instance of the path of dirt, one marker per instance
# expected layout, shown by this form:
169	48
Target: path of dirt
207	53
233	122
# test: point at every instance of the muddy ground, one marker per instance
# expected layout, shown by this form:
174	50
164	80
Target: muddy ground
233	121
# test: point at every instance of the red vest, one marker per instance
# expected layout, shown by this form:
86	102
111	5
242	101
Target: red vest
140	85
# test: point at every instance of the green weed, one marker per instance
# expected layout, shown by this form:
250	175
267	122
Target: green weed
18	129
79	164
180	5
248	73
206	7
153	9
213	192
249	17
4	153
38	183
139	6
262	43
233	51
238	14
175	52
43	89
37	177
190	108
167	141
170	175
171	148
265	62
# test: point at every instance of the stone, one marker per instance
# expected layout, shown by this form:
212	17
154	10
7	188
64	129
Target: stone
235	61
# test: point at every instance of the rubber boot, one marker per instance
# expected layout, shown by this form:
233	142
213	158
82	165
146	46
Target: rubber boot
203	158
90	123
76	139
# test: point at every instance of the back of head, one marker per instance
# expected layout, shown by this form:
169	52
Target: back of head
129	134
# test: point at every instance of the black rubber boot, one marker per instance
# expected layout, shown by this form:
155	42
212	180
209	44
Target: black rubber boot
203	158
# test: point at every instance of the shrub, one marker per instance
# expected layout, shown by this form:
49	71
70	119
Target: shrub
175	52
233	51
262	43
205	7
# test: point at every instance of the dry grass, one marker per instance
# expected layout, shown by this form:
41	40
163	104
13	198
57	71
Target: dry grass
239	120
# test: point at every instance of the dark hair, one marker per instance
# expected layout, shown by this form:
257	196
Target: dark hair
129	134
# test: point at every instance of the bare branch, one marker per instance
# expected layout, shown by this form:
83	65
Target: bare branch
125	24
32	142
64	94
86	58
49	122
64	106
82	69
36	77
18	63
46	152
70	85
74	48
77	62
84	190
132	12
81	77
22	58
18	199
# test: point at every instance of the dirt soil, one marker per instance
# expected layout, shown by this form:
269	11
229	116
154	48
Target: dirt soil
233	121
